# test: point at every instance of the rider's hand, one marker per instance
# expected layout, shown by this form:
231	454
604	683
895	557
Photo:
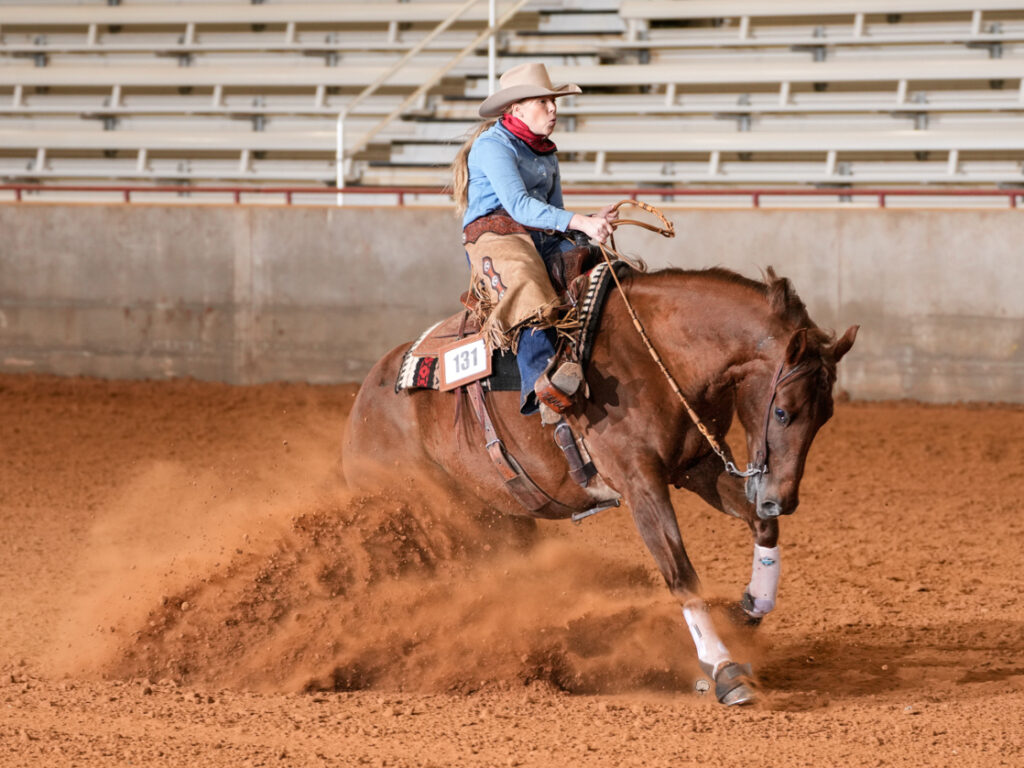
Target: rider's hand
609	212
595	227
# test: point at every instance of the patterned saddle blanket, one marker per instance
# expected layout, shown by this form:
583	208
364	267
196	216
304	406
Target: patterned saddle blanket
420	364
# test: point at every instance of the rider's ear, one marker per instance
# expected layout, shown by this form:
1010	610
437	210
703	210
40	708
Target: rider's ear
797	347
845	342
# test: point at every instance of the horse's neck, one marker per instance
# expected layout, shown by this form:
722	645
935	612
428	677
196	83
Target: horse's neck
714	333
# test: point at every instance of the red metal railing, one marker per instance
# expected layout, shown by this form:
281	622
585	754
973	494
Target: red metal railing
754	193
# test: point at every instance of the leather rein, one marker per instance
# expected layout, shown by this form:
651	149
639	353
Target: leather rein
760	464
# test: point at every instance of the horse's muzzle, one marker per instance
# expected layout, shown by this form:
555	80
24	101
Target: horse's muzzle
767	509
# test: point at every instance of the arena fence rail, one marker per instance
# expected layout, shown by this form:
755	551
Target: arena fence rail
754	195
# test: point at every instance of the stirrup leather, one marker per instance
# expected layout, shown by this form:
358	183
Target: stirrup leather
579	470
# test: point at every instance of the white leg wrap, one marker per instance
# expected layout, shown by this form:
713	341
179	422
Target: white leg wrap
764	580
710	649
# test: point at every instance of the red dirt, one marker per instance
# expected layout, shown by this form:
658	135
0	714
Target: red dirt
184	579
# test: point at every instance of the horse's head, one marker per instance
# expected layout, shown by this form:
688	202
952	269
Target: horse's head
783	415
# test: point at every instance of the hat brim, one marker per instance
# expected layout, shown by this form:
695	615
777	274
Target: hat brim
495	104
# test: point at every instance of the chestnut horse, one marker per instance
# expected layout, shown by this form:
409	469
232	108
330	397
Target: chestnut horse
735	346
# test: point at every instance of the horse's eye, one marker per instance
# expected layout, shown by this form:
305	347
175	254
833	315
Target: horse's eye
781	416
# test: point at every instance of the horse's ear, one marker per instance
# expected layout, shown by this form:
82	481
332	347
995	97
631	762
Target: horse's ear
797	347
845	342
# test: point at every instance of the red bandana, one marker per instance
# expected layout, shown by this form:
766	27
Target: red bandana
542	145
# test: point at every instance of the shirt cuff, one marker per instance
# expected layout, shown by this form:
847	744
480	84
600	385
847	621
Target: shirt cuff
562	221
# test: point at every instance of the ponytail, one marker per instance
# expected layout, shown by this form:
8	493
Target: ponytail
460	169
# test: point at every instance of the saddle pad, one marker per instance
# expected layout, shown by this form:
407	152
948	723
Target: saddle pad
423	372
599	282
440	335
420	364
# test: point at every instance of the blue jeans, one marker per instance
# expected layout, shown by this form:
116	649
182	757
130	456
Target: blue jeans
536	347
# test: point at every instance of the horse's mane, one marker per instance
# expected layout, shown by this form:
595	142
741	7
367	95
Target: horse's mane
782	299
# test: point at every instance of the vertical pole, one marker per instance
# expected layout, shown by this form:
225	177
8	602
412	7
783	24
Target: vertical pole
492	56
339	159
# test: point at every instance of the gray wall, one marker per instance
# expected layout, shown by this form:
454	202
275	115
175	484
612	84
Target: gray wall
250	294
234	294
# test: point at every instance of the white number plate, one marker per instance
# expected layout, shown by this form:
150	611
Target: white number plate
465	361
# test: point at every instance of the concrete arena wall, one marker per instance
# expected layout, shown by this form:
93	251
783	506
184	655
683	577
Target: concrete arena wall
253	294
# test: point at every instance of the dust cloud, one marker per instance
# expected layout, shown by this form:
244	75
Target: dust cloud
398	593
283	580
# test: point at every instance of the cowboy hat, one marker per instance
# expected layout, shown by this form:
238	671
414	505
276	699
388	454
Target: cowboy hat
526	81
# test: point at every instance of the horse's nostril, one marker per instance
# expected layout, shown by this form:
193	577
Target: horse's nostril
769	509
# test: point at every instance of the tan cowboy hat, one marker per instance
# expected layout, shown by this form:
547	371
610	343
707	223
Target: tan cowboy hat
526	81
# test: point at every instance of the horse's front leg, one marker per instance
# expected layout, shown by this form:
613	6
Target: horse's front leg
726	493
759	596
656	521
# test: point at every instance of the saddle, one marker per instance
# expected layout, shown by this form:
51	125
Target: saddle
573	264
584	295
564	273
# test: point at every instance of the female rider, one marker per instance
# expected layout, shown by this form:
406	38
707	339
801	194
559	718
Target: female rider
507	188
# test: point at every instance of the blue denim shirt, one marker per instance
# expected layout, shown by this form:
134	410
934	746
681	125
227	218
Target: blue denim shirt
505	173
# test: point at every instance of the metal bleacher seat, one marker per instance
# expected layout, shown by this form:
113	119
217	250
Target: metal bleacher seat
674	157
774	89
172	155
751	23
771	86
185	28
188	91
59	58
895	76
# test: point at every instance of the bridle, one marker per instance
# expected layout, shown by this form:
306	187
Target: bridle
761	455
759	467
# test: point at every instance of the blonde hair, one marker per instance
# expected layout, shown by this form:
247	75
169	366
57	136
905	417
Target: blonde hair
460	169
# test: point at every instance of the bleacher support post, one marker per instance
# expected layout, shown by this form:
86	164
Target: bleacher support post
492	55
426	85
342	171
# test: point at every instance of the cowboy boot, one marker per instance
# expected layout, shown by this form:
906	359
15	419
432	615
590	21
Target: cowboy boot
555	388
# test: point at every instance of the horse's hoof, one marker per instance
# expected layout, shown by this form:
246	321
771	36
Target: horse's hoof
734	685
740	696
739	616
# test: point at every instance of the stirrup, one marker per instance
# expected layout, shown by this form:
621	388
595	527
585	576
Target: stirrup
548	415
557	389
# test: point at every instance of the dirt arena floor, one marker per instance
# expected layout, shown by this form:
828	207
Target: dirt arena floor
184	580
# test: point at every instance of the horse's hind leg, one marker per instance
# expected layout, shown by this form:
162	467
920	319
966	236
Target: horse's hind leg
726	494
656	521
385	448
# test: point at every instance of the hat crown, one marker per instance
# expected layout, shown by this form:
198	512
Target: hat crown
525	81
530	73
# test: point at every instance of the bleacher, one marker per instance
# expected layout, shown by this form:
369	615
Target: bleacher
827	93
